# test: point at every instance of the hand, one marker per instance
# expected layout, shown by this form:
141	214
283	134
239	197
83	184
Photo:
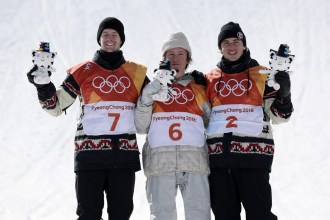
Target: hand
38	77
283	79
152	88
199	77
29	74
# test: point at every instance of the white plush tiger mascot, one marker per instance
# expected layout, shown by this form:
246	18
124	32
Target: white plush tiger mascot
43	59
279	61
165	76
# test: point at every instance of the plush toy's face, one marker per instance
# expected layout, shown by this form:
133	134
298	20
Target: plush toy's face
165	76
279	63
43	59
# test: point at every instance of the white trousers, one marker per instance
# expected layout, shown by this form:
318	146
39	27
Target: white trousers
162	190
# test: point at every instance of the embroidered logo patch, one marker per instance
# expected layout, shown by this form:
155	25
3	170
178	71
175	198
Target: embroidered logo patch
240	35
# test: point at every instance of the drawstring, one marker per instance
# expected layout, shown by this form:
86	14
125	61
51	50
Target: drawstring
248	73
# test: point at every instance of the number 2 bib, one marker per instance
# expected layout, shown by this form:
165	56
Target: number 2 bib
237	102
245	119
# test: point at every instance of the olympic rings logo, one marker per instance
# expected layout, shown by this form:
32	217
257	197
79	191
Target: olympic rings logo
233	86
111	83
181	97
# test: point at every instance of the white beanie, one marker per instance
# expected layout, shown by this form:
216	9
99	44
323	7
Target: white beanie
177	39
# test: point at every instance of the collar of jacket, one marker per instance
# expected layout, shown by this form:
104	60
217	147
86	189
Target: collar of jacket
109	60
185	80
243	63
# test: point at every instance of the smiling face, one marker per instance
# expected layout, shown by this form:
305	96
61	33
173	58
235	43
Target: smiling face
232	48
110	40
178	58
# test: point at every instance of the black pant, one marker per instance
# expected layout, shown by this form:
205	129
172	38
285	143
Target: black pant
231	187
118	185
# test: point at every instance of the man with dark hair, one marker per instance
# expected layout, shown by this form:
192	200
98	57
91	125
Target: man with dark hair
106	151
239	136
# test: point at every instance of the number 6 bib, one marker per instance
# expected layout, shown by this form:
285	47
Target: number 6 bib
176	128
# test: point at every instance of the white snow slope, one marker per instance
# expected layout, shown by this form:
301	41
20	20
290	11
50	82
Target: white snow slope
36	159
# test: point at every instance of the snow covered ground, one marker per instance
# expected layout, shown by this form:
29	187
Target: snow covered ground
36	159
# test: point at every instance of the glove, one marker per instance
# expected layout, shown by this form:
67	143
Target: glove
38	77
152	88
165	76
198	77
283	79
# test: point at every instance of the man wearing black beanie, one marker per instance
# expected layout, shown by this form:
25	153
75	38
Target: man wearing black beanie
239	136
111	23
106	151
231	29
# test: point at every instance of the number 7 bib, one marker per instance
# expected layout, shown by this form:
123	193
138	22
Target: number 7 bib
107	118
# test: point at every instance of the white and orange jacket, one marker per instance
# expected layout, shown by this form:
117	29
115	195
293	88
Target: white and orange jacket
106	134
176	139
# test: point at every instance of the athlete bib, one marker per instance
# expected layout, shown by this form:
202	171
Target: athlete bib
245	119
237	102
176	128
108	118
109	96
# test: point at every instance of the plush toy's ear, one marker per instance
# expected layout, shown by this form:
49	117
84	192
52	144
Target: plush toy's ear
173	72
291	58
272	53
54	54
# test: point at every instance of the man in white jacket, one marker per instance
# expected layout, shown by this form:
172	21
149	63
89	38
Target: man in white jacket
175	153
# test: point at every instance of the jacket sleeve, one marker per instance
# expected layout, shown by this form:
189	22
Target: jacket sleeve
142	117
206	108
278	110
282	107
56	101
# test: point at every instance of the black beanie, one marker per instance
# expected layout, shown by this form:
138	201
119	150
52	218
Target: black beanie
231	29
114	24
